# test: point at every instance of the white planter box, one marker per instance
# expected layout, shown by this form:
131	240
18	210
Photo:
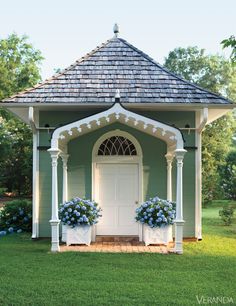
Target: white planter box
63	233
157	235
78	235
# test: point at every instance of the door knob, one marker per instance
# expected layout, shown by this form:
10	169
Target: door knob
136	202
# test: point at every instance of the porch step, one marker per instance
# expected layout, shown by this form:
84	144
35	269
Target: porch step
130	239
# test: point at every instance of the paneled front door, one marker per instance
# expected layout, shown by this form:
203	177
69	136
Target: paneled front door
117	195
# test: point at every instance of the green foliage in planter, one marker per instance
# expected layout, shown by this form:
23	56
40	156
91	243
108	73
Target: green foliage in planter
16	216
226	215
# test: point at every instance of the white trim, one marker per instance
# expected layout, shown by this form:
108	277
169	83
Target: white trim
35	210
171	135
33	119
198	178
163	106
117	159
116	132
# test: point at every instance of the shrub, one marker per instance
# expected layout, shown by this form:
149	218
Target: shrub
2	191
16	216
79	212
156	212
226	215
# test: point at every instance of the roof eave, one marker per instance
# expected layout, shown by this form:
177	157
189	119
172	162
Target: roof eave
138	105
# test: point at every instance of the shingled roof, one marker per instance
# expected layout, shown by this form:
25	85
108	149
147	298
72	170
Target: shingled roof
116	64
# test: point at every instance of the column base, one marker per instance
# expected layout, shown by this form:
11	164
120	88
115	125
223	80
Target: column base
55	235
179	224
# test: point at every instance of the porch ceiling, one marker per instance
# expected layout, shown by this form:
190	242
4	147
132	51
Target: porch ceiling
171	135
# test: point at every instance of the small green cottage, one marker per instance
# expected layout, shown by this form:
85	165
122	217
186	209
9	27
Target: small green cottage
118	128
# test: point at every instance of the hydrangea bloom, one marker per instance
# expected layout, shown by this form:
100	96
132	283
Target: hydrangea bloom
10	230
79	212
3	233
156	212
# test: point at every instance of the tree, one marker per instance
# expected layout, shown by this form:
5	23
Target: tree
214	73
19	69
229	175
230	42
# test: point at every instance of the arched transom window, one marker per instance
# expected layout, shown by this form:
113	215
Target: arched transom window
117	145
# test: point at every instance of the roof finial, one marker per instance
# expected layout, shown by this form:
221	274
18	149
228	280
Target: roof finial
117	96
116	29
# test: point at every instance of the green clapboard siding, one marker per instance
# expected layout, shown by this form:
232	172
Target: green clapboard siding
80	163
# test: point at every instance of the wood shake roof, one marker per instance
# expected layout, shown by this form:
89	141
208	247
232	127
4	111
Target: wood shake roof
116	64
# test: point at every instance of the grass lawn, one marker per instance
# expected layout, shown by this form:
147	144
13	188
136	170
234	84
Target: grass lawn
30	275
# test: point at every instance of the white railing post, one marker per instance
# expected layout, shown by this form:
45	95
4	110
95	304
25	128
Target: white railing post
179	222
169	158
54	219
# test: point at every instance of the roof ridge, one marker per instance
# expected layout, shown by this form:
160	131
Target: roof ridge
55	76
172	73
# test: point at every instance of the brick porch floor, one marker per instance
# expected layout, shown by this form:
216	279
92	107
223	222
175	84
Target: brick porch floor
119	247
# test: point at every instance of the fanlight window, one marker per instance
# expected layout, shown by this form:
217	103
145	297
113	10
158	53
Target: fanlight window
117	145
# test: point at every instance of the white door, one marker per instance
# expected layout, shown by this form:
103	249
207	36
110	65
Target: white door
117	195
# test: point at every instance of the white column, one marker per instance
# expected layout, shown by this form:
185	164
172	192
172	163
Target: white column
64	158
54	219
179	222
169	158
198	204
35	212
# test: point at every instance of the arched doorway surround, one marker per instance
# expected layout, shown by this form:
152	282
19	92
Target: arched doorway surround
117	157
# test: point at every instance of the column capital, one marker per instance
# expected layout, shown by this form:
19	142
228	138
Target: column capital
54	152
169	157
179	154
64	157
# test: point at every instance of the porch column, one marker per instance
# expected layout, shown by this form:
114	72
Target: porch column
64	158
54	219
179	222
169	158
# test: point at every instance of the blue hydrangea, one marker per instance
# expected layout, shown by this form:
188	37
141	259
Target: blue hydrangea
3	233
10	230
156	212
72	212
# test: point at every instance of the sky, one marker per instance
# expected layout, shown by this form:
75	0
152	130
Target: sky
65	30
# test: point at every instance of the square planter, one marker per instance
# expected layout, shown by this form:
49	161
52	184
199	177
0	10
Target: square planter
157	235
63	233
78	235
